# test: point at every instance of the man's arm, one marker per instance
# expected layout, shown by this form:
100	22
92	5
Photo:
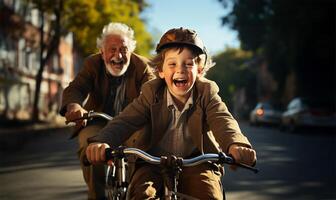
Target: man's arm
76	93
78	89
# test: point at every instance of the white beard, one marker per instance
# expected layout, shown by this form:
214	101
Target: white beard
113	72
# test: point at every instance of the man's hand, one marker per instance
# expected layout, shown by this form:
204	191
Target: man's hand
75	111
243	155
95	152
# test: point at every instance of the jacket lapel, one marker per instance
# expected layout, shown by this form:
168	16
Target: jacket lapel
195	121
160	117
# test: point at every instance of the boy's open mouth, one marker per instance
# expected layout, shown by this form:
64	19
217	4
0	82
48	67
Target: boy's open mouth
180	82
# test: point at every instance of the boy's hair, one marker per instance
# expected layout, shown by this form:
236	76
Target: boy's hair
115	28
202	61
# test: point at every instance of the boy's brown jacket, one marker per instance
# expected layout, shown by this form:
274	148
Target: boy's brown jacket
90	87
210	124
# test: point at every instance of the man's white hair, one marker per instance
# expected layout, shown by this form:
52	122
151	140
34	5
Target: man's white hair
115	28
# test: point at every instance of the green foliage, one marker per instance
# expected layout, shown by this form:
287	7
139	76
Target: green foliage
294	36
86	19
231	72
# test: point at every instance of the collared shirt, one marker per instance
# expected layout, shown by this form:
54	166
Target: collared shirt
177	140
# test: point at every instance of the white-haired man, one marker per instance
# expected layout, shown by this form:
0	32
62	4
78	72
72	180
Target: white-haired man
108	81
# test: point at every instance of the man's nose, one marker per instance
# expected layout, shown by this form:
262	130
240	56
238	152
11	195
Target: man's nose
118	54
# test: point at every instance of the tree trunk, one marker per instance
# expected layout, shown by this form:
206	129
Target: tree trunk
52	47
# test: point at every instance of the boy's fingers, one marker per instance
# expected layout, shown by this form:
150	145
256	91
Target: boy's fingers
97	154
243	155
102	153
88	153
249	156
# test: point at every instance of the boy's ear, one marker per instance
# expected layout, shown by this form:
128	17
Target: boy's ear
200	71
161	74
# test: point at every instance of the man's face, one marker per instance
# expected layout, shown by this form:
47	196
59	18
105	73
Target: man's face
179	71
115	54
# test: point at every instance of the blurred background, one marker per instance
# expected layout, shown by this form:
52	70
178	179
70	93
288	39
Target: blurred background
265	50
275	65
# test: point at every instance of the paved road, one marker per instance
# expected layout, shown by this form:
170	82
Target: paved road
299	166
45	168
293	166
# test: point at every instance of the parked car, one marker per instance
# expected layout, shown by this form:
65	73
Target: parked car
265	113
303	112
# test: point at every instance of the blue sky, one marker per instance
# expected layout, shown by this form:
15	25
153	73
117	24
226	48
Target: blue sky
200	15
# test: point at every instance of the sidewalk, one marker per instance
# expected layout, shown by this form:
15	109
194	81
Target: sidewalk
15	134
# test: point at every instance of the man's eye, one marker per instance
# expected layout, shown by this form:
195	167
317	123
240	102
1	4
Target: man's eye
124	49
113	50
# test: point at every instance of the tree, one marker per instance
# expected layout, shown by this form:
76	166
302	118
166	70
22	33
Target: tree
294	36
85	18
232	72
50	46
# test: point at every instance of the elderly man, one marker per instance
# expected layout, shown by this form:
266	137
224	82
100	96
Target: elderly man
107	82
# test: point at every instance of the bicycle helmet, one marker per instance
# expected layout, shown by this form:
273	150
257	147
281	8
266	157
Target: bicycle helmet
178	36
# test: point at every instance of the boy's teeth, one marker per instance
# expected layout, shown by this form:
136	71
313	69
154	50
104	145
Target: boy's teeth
180	82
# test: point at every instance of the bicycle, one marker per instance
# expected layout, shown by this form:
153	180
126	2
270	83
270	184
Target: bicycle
116	172
111	186
119	156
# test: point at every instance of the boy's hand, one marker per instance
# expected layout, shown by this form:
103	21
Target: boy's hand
75	111
243	155
95	152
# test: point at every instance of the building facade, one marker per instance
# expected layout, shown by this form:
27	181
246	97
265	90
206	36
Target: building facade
20	53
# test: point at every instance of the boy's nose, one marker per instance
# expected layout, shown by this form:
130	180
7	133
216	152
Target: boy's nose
180	69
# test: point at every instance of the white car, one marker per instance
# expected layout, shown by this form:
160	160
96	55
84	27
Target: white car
303	112
265	113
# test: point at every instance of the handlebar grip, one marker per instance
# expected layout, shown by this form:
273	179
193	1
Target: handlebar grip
108	154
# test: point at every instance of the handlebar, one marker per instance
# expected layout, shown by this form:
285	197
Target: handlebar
91	115
220	158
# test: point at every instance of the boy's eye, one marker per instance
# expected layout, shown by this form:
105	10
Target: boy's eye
171	64
189	64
